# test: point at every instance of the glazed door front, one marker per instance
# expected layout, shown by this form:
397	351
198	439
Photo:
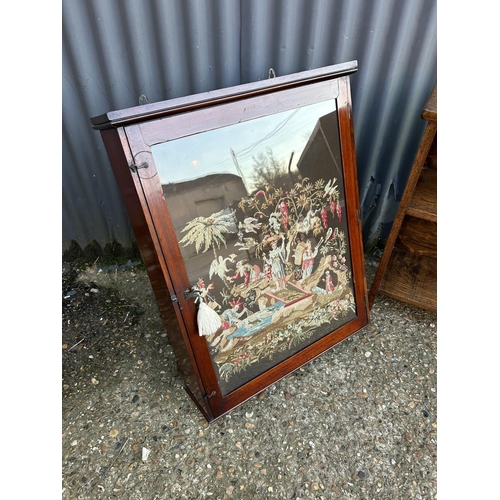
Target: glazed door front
255	217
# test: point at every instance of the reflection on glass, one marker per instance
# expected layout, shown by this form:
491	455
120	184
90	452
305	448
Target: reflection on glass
259	212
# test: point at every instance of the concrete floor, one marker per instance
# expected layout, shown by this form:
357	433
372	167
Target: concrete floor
359	422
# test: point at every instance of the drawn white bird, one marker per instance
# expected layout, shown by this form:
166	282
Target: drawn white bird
219	267
250	224
330	187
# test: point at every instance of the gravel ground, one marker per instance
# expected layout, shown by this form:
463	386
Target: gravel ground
359	422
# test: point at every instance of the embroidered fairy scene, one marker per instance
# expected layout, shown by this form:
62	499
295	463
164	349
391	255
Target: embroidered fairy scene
266	247
286	281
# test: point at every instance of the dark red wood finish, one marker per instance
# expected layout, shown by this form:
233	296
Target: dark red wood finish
129	136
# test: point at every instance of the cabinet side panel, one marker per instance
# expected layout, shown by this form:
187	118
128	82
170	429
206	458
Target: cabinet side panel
136	208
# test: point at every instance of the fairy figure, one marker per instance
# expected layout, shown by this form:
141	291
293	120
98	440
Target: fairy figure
308	257
329	287
276	260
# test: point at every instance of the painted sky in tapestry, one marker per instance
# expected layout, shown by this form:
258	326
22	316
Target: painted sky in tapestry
259	212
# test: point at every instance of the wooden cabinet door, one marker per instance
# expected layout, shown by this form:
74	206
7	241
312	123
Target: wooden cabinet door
250	203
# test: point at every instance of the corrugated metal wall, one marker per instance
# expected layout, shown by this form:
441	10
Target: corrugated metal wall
114	51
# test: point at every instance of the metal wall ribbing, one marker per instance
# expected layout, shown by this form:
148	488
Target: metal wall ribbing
114	51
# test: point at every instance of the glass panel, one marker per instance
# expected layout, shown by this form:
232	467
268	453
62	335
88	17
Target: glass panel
259	212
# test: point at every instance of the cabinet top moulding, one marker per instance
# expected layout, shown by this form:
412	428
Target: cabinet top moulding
160	109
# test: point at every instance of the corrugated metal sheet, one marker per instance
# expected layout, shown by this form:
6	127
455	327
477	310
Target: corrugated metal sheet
114	51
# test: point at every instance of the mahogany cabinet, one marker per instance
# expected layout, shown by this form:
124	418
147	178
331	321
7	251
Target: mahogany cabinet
245	199
407	270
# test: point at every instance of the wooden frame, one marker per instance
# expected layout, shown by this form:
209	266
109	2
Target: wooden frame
231	201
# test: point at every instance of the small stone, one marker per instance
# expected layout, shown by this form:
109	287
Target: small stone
408	437
65	346
135	399
361	474
145	454
229	490
411	404
95	381
368	354
113	433
219	474
362	394
314	486
104	447
288	396
94	290
74	443
425	413
248	425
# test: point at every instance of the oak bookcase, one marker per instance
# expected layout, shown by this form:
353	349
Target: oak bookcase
408	268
